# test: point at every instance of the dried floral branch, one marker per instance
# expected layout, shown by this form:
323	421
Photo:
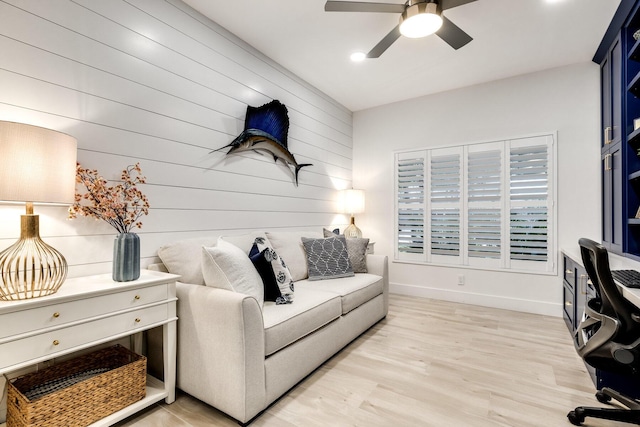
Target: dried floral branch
120	206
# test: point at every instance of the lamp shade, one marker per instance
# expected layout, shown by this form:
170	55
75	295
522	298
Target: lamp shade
36	164
351	201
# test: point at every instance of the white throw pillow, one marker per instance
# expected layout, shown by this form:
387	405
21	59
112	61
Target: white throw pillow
226	266
244	241
288	244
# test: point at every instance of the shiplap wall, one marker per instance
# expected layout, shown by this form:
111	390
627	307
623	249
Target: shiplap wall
153	81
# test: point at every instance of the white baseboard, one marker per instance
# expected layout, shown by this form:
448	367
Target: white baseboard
494	301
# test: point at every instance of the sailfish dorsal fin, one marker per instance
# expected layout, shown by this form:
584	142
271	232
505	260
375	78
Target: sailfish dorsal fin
271	118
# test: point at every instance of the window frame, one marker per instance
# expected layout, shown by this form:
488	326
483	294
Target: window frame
505	204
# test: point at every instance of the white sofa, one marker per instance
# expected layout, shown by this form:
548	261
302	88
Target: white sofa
239	356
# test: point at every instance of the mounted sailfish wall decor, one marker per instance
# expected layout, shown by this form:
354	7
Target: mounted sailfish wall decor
265	130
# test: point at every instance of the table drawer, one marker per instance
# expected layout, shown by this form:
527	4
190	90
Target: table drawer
569	272
569	310
25	321
26	349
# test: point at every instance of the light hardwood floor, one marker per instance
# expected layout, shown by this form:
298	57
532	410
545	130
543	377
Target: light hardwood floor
429	363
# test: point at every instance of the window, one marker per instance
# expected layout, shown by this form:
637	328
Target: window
488	205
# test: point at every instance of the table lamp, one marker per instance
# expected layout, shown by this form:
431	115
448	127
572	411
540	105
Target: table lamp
37	165
352	202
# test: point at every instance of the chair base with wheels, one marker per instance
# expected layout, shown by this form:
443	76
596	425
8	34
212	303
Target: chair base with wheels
630	415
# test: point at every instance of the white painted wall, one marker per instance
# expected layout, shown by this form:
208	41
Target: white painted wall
565	100
155	82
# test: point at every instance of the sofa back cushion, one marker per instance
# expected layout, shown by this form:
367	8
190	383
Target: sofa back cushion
288	245
184	257
243	241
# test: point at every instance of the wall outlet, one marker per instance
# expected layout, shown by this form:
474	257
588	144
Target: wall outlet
460	279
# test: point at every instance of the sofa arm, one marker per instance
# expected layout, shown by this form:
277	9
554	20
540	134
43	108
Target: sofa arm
379	264
221	349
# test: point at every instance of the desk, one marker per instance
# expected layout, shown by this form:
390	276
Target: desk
576	297
632	295
616	262
88	311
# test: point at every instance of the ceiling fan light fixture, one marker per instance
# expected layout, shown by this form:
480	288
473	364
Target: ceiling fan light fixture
420	20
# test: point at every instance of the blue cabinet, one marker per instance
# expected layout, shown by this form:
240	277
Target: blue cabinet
611	92
612	161
612	198
619	59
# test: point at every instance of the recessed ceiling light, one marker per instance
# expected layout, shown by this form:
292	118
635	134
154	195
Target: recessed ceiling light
358	56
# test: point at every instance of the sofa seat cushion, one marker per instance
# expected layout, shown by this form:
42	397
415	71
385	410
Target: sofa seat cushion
354	291
285	324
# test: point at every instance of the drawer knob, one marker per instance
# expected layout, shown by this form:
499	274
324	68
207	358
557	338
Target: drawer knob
56	342
56	314
137	320
137	297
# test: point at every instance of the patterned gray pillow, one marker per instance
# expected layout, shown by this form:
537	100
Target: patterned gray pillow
327	258
357	250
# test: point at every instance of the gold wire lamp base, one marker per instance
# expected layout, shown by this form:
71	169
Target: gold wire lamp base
30	268
352	232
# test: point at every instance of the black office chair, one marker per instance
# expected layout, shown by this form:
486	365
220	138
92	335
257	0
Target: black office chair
608	337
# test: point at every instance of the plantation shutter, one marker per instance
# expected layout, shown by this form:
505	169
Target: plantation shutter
410	197
445	203
484	204
487	205
530	201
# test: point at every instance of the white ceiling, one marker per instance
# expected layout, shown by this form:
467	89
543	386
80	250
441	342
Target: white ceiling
511	37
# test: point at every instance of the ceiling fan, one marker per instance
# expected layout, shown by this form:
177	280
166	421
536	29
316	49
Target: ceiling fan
419	18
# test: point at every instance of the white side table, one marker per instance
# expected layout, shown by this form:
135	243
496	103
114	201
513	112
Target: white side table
88	311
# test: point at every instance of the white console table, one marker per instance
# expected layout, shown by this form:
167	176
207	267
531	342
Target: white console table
88	311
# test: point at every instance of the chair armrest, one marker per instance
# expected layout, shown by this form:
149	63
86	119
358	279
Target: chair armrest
221	349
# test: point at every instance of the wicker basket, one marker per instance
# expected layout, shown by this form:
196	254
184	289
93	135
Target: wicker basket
77	392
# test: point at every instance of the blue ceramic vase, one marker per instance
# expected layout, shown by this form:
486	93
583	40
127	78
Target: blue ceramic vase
126	257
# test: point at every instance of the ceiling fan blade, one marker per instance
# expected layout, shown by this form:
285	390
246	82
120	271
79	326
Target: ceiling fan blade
384	43
452	34
357	6
448	4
